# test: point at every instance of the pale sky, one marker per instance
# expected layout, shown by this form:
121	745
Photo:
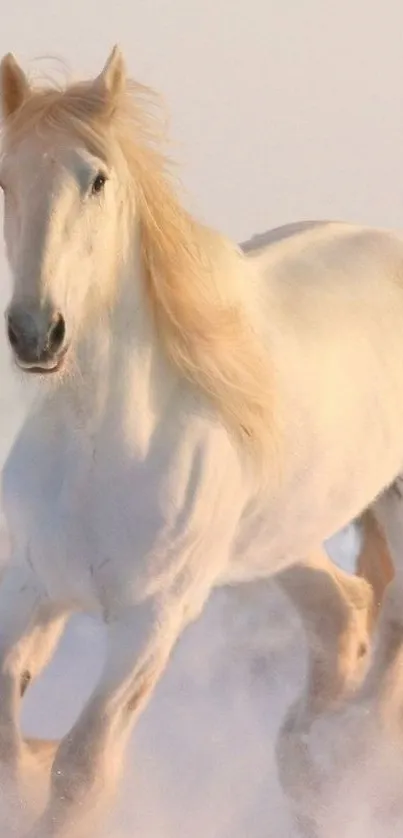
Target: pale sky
281	109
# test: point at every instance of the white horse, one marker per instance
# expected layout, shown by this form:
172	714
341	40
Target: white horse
202	416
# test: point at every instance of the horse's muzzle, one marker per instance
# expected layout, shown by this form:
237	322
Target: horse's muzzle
37	338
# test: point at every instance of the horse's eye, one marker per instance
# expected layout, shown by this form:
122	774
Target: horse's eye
98	183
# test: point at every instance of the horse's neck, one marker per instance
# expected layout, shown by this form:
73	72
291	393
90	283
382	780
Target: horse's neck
123	379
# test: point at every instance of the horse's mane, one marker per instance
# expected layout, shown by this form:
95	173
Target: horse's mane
206	312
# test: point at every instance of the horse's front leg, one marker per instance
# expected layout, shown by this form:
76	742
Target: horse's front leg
30	627
382	688
89	758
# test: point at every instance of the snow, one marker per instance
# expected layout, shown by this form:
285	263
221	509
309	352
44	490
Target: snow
202	758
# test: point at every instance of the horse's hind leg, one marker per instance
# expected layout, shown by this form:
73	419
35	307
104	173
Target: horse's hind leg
374	561
383	685
29	630
336	610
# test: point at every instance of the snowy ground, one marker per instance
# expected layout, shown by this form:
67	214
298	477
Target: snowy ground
202	759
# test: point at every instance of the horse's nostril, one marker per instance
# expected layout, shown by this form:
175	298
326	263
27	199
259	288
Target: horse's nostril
35	338
56	334
12	335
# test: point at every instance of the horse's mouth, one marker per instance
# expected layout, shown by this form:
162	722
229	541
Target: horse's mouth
49	368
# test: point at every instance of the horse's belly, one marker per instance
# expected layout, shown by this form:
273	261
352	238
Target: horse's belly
320	499
271	539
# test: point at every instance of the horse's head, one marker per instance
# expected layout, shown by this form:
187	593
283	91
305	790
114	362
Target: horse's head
63	199
93	226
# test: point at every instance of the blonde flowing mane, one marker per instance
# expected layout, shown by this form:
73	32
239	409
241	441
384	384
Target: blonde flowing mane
197	282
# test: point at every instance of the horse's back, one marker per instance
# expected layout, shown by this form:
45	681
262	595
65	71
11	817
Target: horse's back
311	239
334	296
260	241
326	266
334	319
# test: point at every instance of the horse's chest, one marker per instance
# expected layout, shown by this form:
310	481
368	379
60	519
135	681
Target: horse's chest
72	517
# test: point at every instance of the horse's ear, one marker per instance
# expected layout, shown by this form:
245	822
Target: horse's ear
111	81
14	85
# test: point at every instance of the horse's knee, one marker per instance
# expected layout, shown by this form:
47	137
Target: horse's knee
25	681
140	692
362	650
